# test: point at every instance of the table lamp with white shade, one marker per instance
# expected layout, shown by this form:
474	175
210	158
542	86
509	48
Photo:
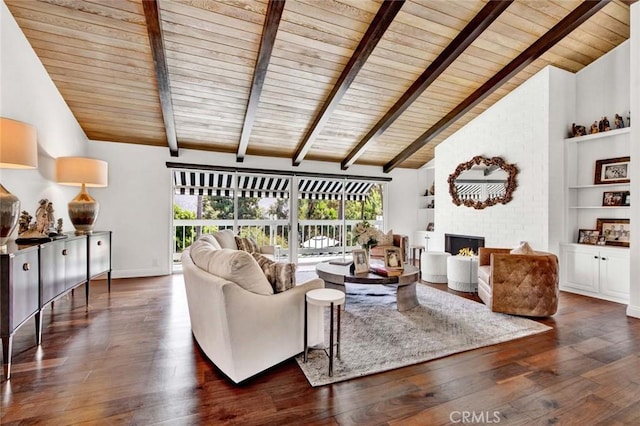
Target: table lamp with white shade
18	150
84	172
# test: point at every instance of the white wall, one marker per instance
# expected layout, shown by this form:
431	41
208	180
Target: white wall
562	107
603	87
27	94
634	297
519	128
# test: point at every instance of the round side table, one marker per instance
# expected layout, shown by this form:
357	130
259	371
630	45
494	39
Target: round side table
462	273
433	265
325	297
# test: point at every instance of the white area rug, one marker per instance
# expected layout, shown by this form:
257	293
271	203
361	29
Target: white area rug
376	337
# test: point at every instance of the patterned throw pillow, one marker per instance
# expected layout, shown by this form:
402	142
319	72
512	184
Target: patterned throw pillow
385	239
282	276
247	244
285	276
522	248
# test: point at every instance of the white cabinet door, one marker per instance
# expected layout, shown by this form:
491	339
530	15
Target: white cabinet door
580	266
614	274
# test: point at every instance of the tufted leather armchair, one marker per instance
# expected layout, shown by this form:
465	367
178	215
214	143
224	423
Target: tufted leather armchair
518	284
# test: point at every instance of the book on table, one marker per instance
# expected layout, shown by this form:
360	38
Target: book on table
385	272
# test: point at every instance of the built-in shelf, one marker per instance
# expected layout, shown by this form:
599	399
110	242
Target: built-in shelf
599	135
599	207
602	185
593	270
607	247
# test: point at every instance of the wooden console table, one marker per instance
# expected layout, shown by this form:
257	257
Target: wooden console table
35	275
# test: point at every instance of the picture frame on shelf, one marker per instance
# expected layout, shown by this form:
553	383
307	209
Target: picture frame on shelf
626	199
612	170
360	261
616	232
601	240
393	258
614	198
588	236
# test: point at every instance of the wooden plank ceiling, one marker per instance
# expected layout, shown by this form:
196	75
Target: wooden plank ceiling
313	80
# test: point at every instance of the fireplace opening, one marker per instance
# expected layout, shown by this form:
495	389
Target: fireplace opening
453	243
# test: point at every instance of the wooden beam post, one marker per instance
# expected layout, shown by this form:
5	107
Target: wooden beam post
269	31
471	31
154	29
386	14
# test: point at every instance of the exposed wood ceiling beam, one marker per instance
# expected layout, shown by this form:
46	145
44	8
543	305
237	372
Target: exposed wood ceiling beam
152	16
269	31
572	21
474	28
376	30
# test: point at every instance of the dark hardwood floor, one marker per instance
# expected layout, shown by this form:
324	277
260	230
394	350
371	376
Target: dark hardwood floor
131	359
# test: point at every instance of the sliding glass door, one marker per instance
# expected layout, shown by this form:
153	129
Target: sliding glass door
326	211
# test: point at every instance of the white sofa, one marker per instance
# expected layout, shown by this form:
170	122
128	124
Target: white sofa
244	330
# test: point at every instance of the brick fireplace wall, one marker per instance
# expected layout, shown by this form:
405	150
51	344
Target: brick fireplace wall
524	128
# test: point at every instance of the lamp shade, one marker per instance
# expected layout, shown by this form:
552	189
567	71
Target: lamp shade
18	145
79	170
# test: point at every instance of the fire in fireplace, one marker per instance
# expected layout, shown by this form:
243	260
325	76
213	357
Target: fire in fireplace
454	243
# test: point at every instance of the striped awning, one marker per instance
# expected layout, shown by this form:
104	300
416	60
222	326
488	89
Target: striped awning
221	184
480	191
319	189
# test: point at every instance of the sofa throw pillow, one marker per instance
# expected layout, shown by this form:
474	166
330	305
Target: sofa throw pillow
247	244
211	240
226	239
385	239
233	265
285	276
522	248
282	276
201	251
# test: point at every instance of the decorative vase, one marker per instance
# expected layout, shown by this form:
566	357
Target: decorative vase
9	213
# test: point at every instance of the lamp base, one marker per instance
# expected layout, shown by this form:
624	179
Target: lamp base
83	212
9	213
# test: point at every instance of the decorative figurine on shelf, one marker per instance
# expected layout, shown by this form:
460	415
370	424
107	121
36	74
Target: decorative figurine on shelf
432	190
44	217
578	130
604	125
431	204
618	122
42	229
426	193
24	221
594	128
629	119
